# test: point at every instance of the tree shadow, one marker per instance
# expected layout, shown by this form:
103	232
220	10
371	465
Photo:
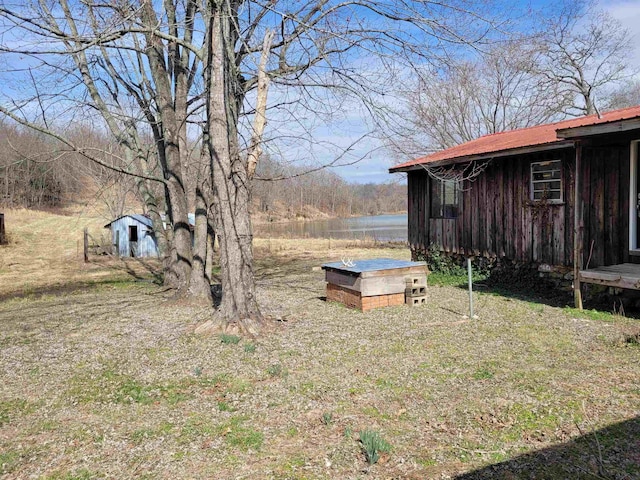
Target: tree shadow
544	294
530	288
65	289
611	453
151	268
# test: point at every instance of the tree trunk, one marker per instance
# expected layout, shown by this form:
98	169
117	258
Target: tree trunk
231	186
179	268
200	283
211	243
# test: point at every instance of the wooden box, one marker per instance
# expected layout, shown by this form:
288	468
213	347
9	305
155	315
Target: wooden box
372	283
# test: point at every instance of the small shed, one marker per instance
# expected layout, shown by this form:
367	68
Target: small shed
133	236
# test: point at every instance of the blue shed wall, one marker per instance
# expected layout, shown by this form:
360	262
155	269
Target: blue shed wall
146	246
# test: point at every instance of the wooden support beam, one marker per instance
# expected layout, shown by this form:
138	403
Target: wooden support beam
86	245
3	236
578	226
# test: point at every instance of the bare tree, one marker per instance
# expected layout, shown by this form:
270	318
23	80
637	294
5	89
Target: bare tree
584	52
136	60
139	85
35	171
469	99
627	95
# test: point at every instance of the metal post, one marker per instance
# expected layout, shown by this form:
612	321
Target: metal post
471	315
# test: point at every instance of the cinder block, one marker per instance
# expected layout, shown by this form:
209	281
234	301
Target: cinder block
416	281
416	291
416	301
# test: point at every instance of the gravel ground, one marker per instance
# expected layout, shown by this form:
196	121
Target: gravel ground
109	382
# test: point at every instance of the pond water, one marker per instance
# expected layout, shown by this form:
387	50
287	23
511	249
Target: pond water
382	228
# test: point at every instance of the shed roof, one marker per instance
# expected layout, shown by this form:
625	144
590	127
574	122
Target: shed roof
514	141
139	218
147	221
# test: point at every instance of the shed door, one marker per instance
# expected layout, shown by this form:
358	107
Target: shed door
133	240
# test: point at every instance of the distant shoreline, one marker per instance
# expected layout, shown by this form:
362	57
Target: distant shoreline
259	220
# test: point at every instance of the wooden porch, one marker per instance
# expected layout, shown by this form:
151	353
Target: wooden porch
625	275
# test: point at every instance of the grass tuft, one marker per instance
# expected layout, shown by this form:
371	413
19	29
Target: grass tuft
229	339
482	374
8	461
590	314
277	370
82	474
373	445
10	409
632	339
327	418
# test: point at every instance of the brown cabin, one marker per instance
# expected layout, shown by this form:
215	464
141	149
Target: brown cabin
562	196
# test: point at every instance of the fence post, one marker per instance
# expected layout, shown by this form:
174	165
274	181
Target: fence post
3	236
470	278
86	245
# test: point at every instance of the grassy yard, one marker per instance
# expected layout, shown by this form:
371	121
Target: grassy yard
107	380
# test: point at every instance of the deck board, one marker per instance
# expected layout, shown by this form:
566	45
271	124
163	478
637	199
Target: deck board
624	275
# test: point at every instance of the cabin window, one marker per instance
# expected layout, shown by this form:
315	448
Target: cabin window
546	181
444	198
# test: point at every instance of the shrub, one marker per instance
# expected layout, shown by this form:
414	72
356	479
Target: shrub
441	263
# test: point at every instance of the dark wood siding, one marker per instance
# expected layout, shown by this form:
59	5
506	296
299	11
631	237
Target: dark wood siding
417	210
606	204
497	217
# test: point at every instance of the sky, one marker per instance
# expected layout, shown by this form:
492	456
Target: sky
374	168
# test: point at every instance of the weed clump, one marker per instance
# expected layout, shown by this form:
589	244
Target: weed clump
229	339
632	339
327	418
373	445
276	370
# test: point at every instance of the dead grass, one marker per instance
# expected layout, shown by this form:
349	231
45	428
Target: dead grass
45	254
108	382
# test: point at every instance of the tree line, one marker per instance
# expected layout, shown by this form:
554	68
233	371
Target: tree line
32	174
283	191
38	172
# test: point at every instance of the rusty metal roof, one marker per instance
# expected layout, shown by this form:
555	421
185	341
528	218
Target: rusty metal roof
513	140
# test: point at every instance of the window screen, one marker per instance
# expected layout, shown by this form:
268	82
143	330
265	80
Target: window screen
444	198
546	180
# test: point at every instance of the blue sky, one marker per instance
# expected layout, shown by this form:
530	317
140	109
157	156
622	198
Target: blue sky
374	168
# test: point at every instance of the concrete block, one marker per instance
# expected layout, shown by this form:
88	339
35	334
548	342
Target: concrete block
416	301
416	291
